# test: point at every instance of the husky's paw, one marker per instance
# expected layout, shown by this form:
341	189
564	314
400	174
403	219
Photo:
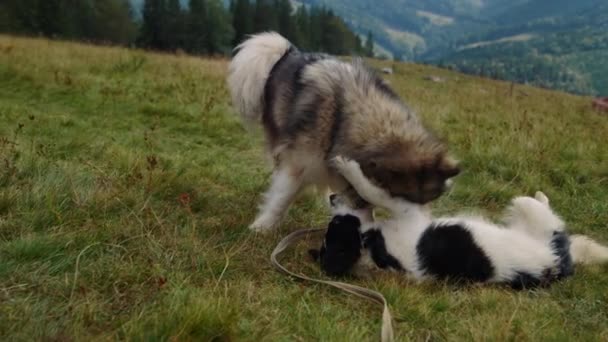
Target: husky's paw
542	198
263	224
347	167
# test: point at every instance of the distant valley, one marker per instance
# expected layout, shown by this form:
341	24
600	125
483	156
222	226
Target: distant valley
557	44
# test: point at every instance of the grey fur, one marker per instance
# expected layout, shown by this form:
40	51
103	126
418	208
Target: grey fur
314	107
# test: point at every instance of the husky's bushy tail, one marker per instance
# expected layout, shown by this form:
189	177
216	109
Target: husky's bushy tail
249	70
586	251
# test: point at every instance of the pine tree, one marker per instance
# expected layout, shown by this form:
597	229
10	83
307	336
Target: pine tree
332	38
5	18
174	32
369	45
303	28
197	27
81	20
112	22
315	29
50	17
265	17
285	20
242	20
219	30
26	15
154	25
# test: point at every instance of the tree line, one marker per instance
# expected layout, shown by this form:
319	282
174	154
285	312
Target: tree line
90	20
194	26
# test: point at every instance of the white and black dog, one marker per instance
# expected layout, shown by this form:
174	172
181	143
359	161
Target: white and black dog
531	249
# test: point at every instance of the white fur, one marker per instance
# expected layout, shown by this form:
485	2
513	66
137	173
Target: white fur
250	69
524	243
298	169
526	212
285	186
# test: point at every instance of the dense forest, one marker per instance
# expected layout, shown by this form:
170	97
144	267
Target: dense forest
197	26
568	53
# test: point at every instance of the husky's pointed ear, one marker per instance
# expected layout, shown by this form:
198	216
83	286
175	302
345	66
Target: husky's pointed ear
448	167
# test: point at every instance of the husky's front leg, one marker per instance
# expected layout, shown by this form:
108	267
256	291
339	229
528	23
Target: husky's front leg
351	170
286	183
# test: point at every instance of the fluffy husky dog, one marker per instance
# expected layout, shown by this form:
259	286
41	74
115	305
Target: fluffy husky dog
314	107
532	249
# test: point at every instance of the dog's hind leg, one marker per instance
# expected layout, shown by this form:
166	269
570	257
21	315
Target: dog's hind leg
286	183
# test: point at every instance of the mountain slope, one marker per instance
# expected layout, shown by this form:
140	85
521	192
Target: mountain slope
409	28
555	43
521	12
567	52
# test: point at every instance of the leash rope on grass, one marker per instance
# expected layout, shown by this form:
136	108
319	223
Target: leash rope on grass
387	319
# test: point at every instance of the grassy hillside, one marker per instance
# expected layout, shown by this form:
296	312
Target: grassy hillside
126	187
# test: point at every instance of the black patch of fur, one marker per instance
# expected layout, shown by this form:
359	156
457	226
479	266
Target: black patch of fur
336	124
315	254
524	281
342	245
373	240
385	89
284	80
303	119
449	251
270	92
307	118
561	248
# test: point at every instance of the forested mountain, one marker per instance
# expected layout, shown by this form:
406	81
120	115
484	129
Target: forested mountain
568	52
553	43
560	44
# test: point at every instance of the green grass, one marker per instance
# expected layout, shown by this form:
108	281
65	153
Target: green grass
127	184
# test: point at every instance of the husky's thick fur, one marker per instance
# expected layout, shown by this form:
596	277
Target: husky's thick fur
314	107
531	249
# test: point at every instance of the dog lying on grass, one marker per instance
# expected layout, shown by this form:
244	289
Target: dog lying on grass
531	249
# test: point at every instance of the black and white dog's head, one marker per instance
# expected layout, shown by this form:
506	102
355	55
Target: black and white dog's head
341	248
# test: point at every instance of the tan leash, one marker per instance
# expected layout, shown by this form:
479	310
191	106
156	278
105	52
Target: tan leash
387	319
